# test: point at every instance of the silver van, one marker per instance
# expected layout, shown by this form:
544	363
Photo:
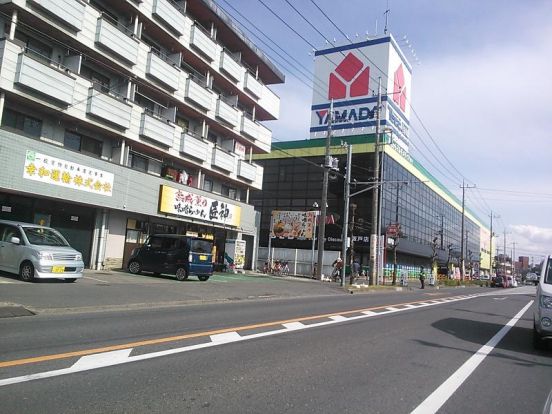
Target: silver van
543	305
34	251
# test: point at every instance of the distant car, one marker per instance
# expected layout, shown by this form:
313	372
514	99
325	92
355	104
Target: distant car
498	281
37	252
485	277
542	315
512	282
532	278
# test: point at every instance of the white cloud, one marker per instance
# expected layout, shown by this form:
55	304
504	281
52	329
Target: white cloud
535	240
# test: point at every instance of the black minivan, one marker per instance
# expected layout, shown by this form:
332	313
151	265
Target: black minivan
173	254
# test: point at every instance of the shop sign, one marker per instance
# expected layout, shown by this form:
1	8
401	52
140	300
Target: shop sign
185	204
50	170
293	224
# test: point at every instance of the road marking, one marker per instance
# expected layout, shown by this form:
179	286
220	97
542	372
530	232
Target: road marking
367	312
441	395
97	280
100	360
119	354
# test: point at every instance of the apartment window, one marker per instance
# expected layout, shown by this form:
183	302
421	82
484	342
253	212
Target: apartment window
208	184
99	82
138	162
16	120
229	192
146	103
34	47
82	143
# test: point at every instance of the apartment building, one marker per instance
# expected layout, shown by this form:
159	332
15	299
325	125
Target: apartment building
123	118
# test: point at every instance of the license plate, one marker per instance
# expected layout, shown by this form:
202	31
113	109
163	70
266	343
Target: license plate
203	257
58	269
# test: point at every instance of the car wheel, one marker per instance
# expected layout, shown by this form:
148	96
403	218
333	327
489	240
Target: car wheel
181	274
70	279
26	272
134	267
203	278
538	342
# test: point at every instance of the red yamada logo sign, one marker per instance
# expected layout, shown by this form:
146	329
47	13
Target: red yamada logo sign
351	78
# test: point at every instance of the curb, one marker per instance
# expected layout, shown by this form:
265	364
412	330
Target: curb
9	310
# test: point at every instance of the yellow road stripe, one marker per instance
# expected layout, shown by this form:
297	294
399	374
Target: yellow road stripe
157	341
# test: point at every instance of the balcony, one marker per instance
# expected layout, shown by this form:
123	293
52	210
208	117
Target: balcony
156	130
249	127
198	94
194	147
252	85
70	12
167	11
162	71
203	43
223	160
229	66
108	108
264	138
44	79
226	112
247	170
112	39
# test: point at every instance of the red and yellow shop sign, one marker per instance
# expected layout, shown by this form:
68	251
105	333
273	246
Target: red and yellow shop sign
185	204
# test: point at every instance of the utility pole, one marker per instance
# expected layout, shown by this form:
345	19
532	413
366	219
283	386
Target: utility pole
491	245
462	252
346	217
505	253
441	230
375	198
513	259
324	206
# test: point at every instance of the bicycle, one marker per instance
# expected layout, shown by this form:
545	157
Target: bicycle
285	268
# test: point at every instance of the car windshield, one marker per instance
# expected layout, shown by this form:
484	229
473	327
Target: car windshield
44	237
201	246
548	278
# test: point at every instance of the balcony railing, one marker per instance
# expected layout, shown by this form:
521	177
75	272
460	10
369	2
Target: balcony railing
156	130
45	79
108	108
247	170
162	71
249	127
71	12
253	85
203	43
111	38
194	147
223	160
229	66
198	94
171	15
227	113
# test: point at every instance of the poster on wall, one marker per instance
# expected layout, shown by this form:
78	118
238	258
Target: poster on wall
239	150
51	170
185	204
293	224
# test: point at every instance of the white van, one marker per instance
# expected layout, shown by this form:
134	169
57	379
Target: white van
543	305
37	252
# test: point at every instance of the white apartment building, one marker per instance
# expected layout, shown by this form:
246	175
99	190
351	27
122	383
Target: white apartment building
123	118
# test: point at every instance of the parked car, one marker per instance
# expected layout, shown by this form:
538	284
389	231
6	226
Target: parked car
532	278
512	282
498	281
37	252
173	254
542	315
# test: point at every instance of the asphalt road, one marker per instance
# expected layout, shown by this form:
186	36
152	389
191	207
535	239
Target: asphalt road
323	353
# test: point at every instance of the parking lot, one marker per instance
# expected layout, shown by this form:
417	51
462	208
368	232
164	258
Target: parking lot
104	290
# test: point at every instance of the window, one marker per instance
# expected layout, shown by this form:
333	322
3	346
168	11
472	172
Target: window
99	82
146	103
208	184
84	144
34	47
138	162
229	192
16	120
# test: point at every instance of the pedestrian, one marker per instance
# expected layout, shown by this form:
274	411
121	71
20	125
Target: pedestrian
422	277
356	269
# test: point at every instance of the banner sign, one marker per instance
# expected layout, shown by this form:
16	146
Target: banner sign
185	204
51	170
293	224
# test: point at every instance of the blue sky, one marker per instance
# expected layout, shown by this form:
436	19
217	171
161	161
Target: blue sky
482	89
